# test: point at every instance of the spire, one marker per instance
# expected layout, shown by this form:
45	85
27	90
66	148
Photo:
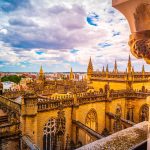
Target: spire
71	74
41	74
41	70
115	67
90	68
143	69
129	65
130	78
103	70
107	70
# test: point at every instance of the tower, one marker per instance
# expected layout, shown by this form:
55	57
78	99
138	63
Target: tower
115	67
71	74
41	74
90	69
107	71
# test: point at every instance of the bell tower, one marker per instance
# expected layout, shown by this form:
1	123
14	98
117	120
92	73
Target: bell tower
71	74
41	74
90	69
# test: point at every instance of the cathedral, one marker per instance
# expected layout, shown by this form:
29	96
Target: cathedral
68	113
107	110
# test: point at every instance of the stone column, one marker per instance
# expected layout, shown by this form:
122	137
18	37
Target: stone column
137	12
29	116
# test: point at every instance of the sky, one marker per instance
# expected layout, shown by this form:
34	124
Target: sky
60	34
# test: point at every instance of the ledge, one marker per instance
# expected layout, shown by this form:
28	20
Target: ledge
122	140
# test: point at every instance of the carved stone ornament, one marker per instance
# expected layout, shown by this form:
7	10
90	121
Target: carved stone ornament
139	43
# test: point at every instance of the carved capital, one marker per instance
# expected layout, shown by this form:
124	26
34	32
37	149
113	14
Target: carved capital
139	43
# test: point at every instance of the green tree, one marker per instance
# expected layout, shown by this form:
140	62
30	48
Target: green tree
13	78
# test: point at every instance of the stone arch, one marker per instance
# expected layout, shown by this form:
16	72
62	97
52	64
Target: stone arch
91	121
54	131
49	133
144	113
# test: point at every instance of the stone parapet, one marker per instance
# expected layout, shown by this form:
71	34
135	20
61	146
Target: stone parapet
122	140
45	104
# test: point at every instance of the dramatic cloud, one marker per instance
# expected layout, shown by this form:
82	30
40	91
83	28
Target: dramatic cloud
60	34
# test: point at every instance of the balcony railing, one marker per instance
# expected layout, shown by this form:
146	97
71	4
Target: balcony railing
10	104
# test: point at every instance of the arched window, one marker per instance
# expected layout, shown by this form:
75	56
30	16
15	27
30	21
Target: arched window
144	113
91	122
49	138
54	131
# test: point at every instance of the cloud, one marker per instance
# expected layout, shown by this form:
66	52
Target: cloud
21	22
62	33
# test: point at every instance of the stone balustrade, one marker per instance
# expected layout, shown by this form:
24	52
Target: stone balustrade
84	98
9	130
54	102
10	104
129	95
49	104
94	98
12	94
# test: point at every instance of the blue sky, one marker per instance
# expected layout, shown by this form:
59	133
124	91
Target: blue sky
62	34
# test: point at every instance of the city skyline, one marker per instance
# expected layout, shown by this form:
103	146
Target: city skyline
61	35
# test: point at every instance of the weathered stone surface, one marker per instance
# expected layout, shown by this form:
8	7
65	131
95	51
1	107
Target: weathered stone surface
122	140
